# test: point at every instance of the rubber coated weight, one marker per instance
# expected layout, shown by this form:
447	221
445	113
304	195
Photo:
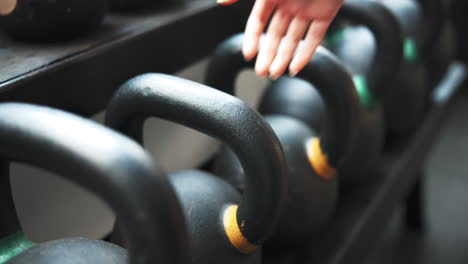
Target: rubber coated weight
50	21
107	164
373	72
224	226
311	158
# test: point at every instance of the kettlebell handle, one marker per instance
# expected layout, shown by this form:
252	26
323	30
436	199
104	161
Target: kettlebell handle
106	163
223	117
324	71
389	40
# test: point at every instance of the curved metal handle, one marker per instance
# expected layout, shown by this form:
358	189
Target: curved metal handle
324	71
389	40
221	116
112	166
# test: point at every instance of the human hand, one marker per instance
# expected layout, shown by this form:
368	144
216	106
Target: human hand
290	21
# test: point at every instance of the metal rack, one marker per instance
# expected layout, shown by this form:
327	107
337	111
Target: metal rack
80	77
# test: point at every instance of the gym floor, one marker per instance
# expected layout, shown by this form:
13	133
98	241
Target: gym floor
444	238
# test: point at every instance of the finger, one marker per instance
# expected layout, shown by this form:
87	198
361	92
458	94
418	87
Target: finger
285	53
315	34
277	28
226	2
257	21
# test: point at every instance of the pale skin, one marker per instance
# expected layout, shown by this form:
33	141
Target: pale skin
291	21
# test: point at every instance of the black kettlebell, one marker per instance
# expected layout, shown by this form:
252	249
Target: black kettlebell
104	162
312	158
437	40
407	99
50	21
224	226
375	27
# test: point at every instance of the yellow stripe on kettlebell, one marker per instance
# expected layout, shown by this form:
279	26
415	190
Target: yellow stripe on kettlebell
318	159
234	233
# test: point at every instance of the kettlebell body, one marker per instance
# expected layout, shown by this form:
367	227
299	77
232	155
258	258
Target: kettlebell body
407	99
116	170
296	224
311	157
224	226
50	21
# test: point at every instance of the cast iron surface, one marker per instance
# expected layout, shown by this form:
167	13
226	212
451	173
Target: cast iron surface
106	163
204	196
364	210
81	75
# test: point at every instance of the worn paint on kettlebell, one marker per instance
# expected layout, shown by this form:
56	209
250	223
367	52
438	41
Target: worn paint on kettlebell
13	245
336	36
318	159
233	232
366	98
7	7
410	51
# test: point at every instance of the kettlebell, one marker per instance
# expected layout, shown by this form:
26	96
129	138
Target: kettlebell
372	74
104	162
437	41
224	226
312	158
407	99
50	21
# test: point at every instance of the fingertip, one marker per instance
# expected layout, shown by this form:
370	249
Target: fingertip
294	70
276	71
226	2
261	70
248	54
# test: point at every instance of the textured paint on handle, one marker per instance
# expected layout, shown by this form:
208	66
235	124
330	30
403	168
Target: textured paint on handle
365	96
13	245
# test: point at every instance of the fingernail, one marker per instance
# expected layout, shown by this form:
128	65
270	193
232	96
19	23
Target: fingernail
274	77
225	2
293	73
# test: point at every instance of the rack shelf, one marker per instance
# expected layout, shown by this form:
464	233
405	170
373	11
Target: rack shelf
81	75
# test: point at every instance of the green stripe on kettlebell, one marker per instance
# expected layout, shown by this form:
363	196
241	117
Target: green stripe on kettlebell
334	37
13	245
410	51
365	96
